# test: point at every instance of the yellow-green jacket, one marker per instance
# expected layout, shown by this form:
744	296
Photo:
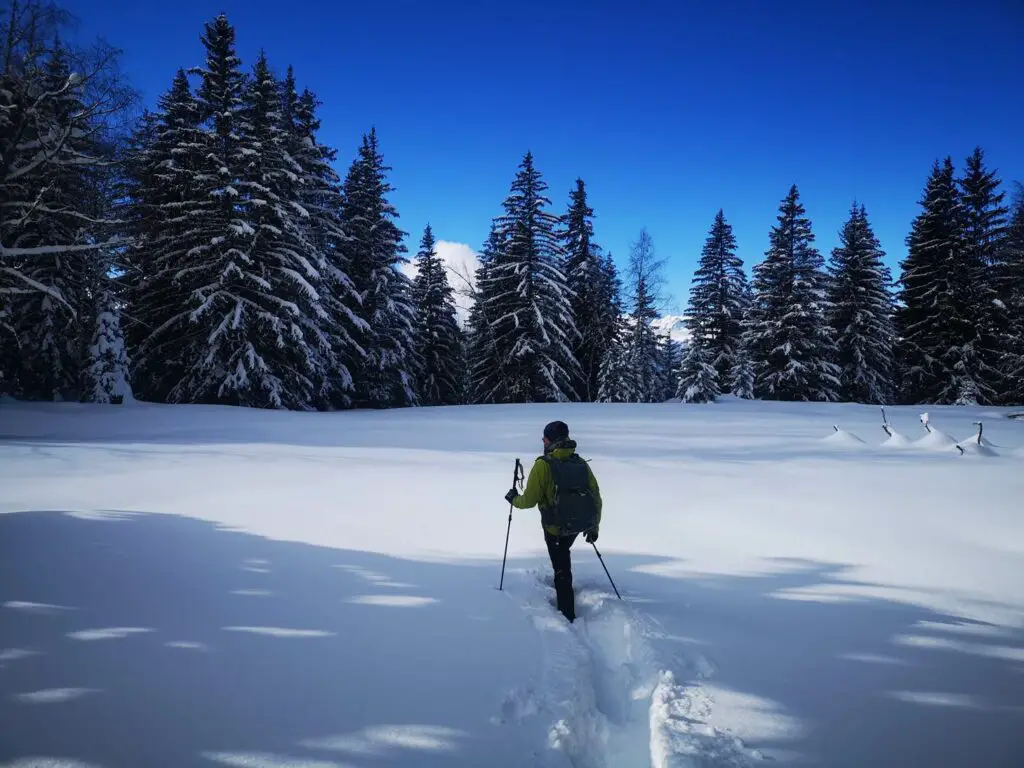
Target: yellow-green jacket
540	488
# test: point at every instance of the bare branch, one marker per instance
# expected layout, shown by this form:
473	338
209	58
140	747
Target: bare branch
468	289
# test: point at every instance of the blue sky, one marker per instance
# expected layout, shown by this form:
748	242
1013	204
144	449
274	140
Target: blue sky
668	110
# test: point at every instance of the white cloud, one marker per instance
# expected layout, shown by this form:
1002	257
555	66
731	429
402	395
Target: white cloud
461	263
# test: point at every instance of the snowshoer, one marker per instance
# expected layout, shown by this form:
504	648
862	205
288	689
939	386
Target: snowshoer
563	486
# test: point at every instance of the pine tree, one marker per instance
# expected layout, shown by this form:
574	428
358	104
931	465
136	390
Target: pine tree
984	237
164	206
593	310
486	367
718	298
107	376
670	358
525	301
387	376
438	337
321	204
741	375
617	378
942	341
160	212
788	340
229	303
287	316
698	377
1011	285
645	283
249	291
860	312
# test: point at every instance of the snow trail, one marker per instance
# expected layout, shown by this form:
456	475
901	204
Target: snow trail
609	697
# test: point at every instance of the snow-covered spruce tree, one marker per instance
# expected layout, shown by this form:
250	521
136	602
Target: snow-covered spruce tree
251	297
438	337
486	380
387	376
525	300
791	346
941	338
860	312
287	330
164	211
741	375
719	297
55	104
698	377
107	378
617	379
1012	288
984	220
593	309
610	293
320	199
670	358
935	233
224	293
615	352
644	293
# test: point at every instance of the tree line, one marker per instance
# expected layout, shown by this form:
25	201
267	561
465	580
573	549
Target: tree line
211	253
949	330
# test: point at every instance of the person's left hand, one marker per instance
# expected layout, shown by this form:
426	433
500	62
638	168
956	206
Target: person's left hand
591	536
511	495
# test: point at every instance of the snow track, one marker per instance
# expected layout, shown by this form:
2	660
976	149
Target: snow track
605	696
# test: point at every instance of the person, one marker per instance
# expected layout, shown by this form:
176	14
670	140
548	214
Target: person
566	491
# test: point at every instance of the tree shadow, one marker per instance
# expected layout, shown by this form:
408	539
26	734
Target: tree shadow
132	639
135	639
820	670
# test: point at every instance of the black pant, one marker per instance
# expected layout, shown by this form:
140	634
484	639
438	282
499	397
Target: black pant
558	550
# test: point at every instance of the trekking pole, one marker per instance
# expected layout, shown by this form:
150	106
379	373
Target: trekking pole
606	570
517	477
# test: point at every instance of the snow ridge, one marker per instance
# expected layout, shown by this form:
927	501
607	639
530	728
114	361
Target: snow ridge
608	698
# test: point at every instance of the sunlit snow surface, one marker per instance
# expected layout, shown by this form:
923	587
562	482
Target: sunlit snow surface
200	586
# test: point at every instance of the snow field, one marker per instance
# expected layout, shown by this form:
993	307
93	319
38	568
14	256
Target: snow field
209	586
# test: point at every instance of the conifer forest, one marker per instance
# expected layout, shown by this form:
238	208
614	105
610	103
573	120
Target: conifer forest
212	249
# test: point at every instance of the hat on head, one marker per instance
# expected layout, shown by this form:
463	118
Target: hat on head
556	431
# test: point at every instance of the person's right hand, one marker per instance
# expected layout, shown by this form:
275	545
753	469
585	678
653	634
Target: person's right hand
591	535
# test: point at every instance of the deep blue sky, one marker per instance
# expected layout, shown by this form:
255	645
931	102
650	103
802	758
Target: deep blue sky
668	110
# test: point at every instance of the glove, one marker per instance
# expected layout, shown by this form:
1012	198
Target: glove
512	495
591	535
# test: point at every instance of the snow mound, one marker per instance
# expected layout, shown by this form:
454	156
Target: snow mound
973	448
841	437
976	445
936	440
897	440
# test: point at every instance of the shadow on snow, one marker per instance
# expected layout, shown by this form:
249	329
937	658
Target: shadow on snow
131	639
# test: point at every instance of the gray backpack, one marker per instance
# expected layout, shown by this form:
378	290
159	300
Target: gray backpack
575	509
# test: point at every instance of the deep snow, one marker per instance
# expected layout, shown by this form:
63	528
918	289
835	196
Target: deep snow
212	586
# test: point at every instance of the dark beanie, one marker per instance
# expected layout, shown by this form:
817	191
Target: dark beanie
556	431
